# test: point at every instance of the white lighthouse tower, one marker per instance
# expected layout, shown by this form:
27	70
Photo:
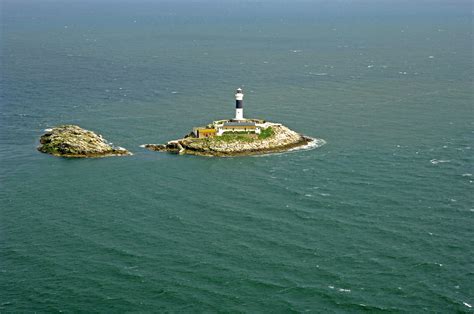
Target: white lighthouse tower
239	109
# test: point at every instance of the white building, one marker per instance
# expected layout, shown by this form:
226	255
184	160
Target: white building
237	127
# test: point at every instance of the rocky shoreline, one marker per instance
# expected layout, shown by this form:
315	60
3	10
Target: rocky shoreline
282	139
74	142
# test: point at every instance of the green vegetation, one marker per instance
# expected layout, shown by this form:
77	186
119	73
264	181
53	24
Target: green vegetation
232	137
266	133
240	136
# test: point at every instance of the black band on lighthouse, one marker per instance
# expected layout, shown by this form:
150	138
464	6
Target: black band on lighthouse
238	104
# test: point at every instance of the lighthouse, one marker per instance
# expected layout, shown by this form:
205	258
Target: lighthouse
239	101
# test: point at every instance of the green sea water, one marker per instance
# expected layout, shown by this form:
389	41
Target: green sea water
380	218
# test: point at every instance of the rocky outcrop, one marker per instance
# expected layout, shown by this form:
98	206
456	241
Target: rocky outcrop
281	139
73	141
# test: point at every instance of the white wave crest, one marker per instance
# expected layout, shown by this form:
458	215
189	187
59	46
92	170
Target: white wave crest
439	161
315	143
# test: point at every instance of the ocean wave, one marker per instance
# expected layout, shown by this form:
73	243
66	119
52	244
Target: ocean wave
439	161
339	289
315	143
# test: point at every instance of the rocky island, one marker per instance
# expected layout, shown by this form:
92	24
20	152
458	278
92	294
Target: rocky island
237	137
272	139
75	142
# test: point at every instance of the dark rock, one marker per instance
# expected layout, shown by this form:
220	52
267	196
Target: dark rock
73	141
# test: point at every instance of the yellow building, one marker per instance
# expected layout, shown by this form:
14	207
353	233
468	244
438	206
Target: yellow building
204	132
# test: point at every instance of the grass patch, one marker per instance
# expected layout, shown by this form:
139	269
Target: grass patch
241	137
246	137
266	133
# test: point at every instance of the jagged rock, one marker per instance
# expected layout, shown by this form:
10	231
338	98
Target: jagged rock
156	147
73	141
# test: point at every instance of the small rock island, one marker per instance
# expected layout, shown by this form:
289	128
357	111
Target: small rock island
237	137
75	142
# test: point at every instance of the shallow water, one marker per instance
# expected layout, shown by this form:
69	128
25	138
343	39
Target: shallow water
378	218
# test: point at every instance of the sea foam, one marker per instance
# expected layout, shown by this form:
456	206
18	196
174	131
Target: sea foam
315	143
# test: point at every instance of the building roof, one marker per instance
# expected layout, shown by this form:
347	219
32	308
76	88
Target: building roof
237	124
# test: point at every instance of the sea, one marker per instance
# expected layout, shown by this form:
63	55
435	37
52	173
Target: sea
379	218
